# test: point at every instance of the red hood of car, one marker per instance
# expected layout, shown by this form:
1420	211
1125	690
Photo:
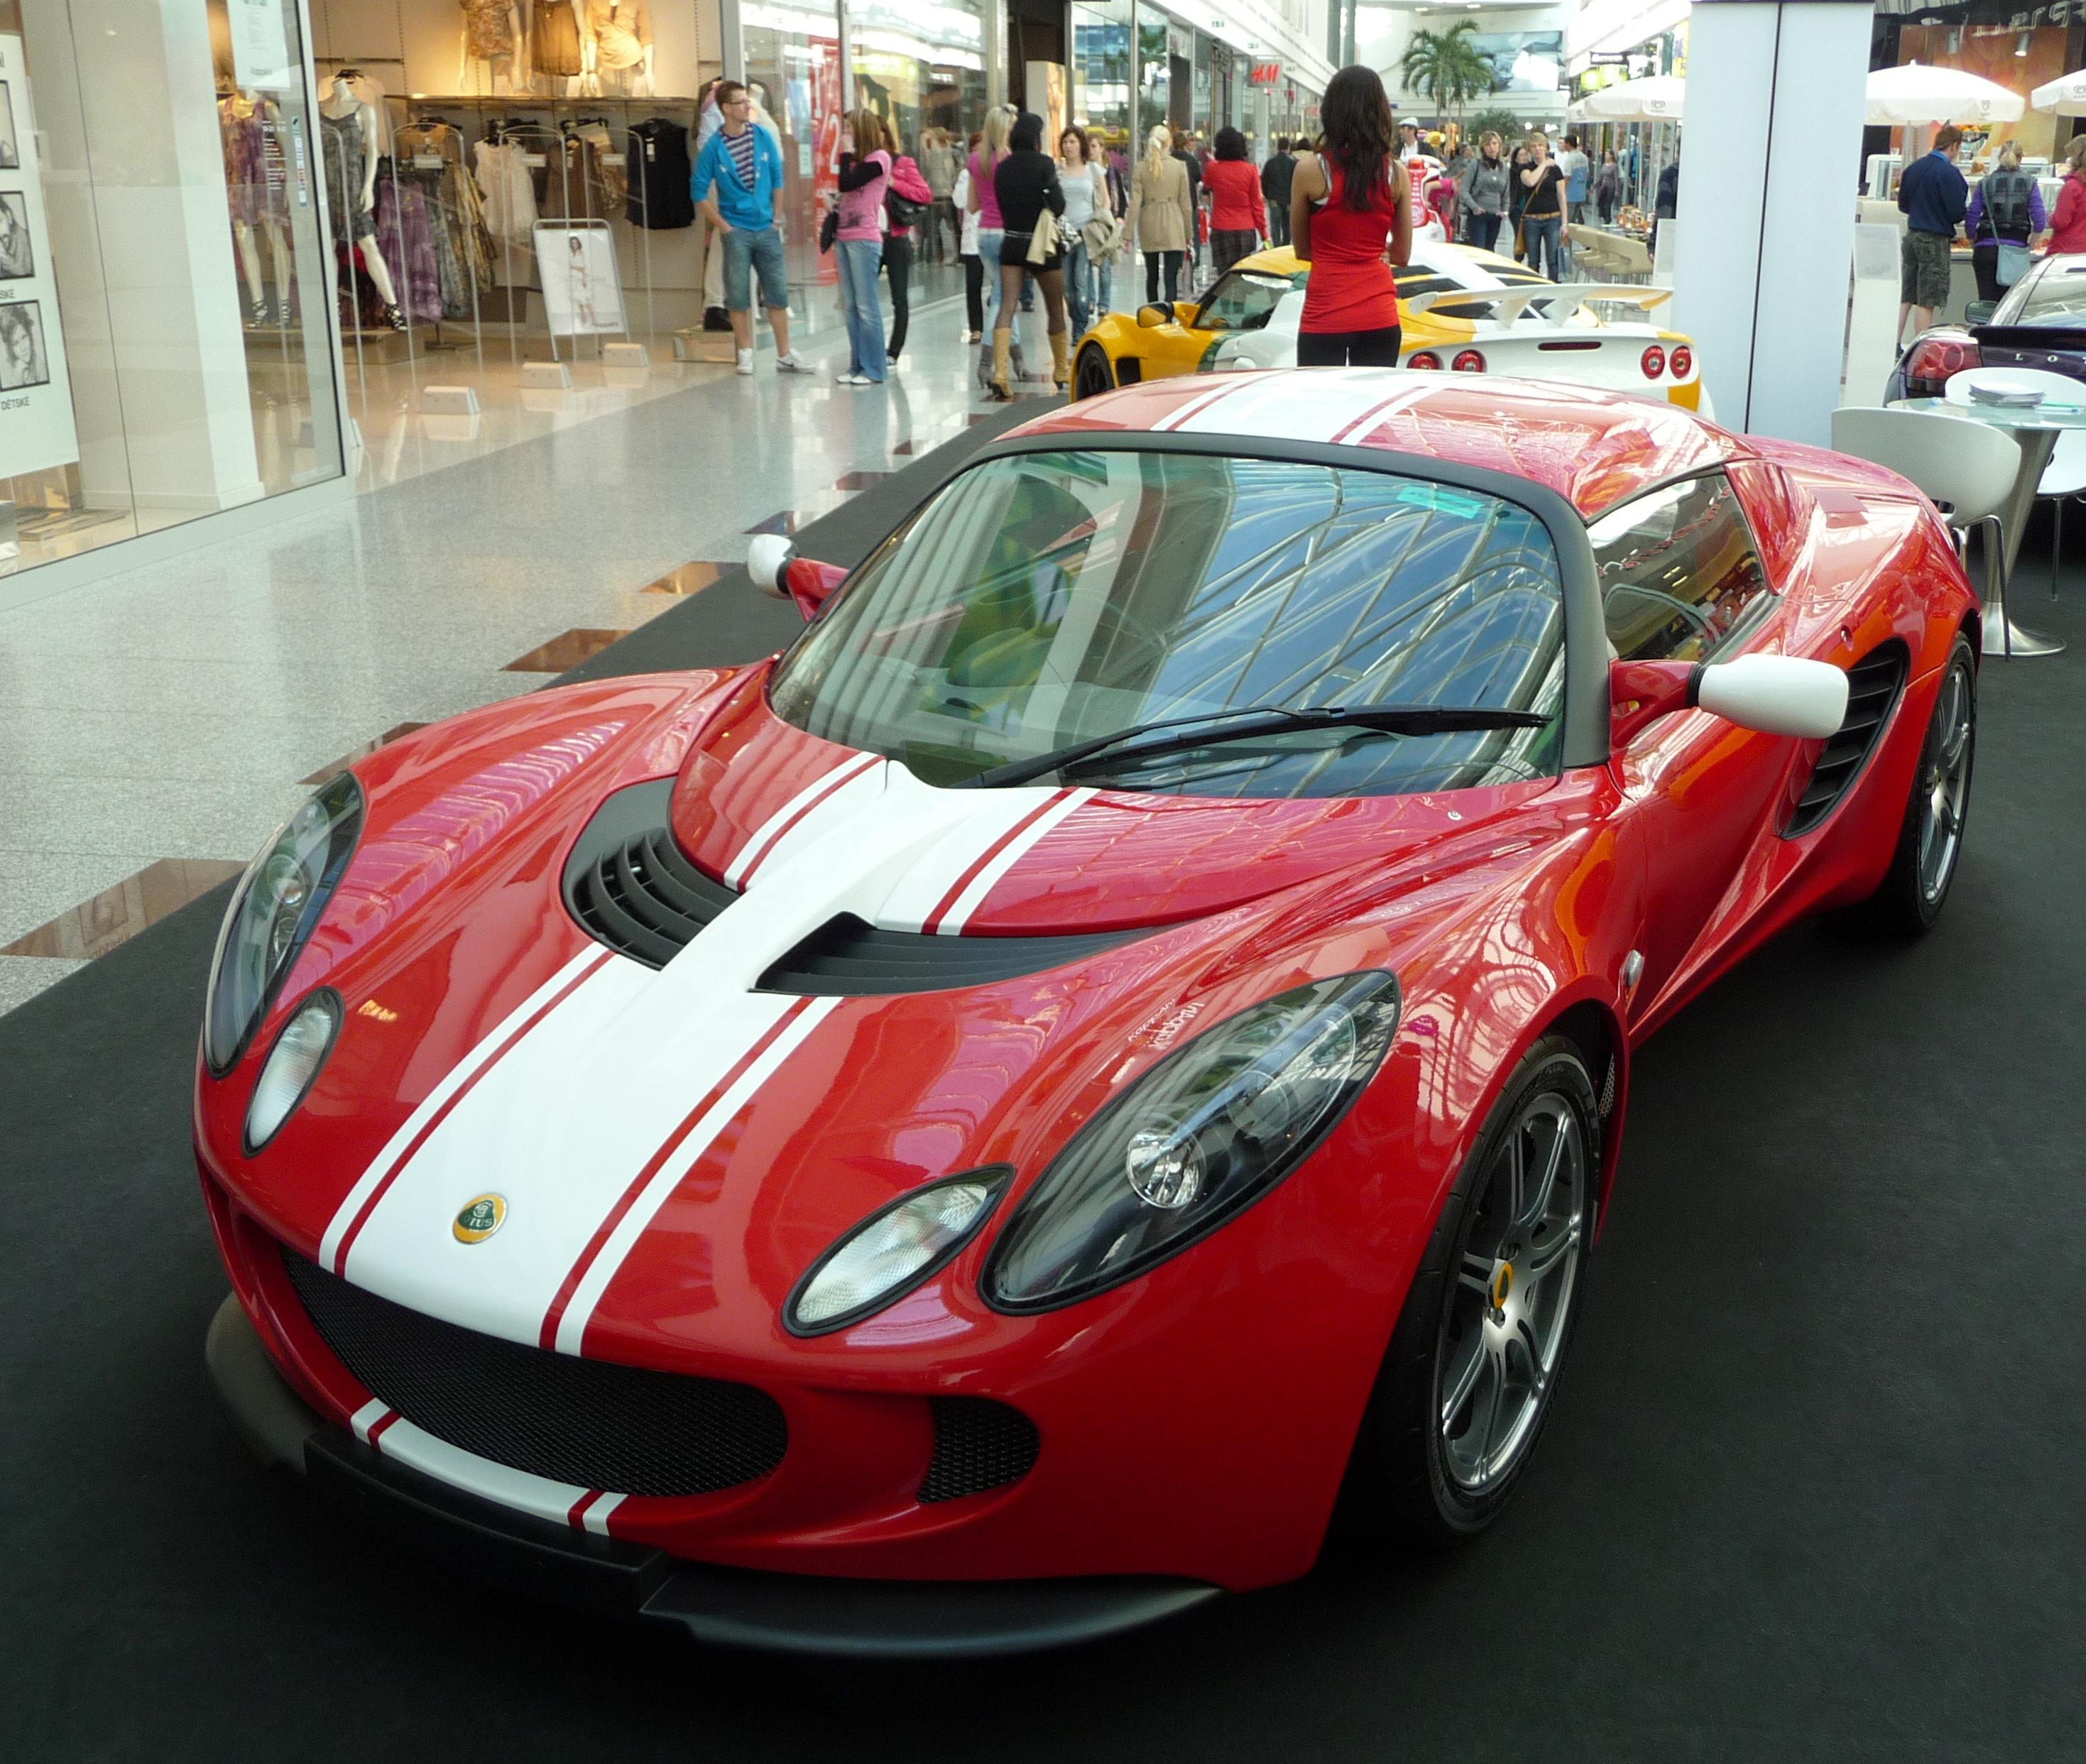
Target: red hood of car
758	793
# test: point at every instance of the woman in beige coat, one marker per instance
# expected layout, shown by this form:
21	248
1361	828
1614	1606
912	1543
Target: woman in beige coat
1162	213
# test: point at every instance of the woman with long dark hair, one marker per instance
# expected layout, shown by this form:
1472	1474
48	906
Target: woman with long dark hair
1347	203
1026	183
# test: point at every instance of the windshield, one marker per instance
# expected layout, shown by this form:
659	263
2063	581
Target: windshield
1245	301
2056	300
1045	599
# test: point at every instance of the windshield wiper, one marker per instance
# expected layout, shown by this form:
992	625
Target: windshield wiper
1251	720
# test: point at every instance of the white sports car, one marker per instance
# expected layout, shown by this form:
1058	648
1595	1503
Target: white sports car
1462	310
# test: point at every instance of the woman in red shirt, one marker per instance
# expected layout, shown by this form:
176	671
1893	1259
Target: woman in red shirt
2067	226
1346	204
1238	217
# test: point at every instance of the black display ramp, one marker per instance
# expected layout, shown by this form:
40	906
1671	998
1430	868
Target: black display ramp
1812	1492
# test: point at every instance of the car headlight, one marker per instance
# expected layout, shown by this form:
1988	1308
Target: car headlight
291	1066
1197	1140
892	1251
274	908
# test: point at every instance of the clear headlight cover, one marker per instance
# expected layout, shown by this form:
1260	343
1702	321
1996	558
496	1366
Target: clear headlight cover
1197	1140
293	1064
274	908
892	1251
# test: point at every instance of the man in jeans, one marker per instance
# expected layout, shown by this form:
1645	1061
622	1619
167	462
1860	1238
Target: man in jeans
738	185
1932	194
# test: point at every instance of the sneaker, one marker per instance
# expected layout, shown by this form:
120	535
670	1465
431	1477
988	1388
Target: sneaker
858	379
894	363
746	361
792	362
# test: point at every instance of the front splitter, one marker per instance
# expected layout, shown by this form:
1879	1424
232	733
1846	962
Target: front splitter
745	1607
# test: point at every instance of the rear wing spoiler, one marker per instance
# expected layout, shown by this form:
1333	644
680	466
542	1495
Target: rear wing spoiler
1556	302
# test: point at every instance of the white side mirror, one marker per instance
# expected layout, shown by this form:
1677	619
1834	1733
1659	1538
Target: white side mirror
766	557
1776	694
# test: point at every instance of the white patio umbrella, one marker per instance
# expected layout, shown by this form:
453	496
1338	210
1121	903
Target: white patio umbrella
1658	99
2066	96
1916	94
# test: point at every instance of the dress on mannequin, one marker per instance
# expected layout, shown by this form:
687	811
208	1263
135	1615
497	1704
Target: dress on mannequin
493	37
250	127
348	130
554	41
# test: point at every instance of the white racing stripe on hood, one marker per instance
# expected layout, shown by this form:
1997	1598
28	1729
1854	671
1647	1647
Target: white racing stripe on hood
459	1075
568	1121
988	839
860	777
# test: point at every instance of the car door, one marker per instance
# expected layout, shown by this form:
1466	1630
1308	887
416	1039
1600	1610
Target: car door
1681	580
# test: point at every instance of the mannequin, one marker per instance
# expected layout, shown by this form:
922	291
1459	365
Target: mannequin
250	125
556	29
494	33
615	44
348	127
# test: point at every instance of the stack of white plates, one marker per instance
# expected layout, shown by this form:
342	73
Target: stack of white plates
2010	394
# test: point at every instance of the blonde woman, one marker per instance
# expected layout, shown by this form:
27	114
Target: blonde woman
2005	210
1162	213
985	202
864	175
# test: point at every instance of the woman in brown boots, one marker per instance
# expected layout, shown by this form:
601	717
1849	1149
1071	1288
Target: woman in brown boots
1026	183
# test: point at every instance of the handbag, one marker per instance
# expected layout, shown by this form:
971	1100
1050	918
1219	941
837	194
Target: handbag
902	211
2012	264
829	229
1043	242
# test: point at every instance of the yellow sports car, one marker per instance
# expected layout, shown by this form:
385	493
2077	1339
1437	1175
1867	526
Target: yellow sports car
1460	309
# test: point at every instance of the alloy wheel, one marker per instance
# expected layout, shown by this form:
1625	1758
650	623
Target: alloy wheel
1094	376
1510	1315
1944	785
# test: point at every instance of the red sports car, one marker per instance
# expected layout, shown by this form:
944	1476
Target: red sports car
988	1126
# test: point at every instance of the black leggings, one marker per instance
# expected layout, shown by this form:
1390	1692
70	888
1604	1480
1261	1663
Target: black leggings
974	290
898	266
1152	262
1348	348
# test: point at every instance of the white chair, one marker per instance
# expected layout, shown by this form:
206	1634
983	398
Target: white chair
1967	467
2064	476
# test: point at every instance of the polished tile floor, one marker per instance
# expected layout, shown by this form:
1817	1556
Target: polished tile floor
156	727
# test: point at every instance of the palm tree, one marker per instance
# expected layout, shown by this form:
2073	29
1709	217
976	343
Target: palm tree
1443	66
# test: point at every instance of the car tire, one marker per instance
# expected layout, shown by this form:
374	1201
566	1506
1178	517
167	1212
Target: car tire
1092	375
1929	840
1420	1475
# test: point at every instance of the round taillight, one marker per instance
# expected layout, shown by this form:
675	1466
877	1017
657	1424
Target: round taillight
1424	358
1935	360
1468	361
1654	362
1682	361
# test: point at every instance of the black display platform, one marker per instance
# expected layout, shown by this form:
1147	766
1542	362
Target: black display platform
1813	1490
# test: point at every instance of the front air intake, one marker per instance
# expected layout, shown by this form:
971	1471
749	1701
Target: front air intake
631	887
979	1444
849	958
1873	685
588	1423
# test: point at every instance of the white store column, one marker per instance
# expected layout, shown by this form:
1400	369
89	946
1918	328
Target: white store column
1769	159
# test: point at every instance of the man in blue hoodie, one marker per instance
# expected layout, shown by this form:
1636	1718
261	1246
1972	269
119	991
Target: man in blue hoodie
738	185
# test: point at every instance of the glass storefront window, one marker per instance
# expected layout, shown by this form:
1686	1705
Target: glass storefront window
921	67
1101	71
165	348
1155	66
793	66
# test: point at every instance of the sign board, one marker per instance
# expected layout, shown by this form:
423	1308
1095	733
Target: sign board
1264	73
260	46
576	265
36	428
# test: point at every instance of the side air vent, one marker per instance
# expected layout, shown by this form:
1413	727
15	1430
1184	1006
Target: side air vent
848	958
1873	685
979	1444
630	886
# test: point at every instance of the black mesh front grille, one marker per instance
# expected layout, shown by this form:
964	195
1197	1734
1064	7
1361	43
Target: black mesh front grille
1873	684
586	1422
849	958
979	1444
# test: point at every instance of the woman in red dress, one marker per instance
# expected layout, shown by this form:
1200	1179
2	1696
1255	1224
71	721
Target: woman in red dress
1346	203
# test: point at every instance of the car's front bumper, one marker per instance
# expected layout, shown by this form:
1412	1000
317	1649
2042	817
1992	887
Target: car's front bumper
799	1613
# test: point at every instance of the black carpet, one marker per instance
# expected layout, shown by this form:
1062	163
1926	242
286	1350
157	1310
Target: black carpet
1813	1491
